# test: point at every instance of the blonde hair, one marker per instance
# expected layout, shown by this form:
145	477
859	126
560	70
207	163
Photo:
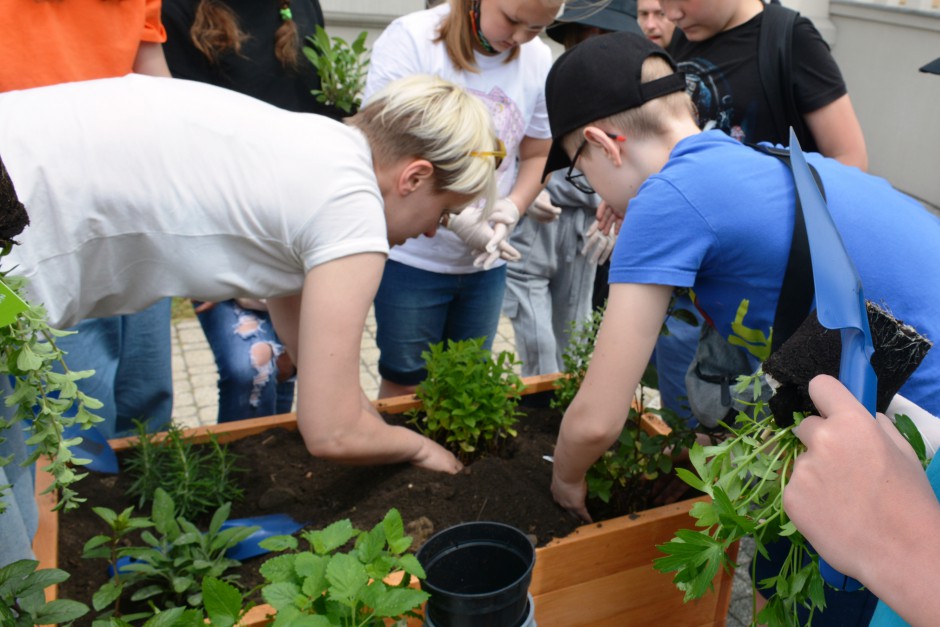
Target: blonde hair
427	117
456	33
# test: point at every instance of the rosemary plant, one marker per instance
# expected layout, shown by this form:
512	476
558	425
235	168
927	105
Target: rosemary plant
197	477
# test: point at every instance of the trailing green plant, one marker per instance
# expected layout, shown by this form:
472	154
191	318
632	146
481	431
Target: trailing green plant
745	476
638	462
341	67
469	399
197	478
324	586
42	397
23	601
168	570
576	358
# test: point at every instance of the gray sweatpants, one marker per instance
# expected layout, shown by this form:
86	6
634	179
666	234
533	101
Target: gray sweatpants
548	288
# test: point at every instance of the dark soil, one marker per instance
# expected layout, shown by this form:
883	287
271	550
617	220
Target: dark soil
513	489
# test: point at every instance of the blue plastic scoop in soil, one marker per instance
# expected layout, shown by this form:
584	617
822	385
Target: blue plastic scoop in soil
268	525
840	304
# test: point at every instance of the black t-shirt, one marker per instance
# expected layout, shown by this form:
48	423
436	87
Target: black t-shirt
724	81
256	72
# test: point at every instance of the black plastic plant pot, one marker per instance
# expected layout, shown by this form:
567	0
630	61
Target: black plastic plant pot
478	575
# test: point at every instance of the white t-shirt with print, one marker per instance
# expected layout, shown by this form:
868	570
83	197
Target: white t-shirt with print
140	188
514	93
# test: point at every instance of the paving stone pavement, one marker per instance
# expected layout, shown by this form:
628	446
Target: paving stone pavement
195	403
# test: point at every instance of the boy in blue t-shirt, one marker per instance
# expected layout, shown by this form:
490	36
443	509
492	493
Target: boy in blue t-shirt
710	214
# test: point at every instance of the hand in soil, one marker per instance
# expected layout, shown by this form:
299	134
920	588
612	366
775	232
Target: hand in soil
433	456
571	496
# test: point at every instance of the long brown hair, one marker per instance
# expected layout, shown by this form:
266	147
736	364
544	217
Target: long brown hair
215	31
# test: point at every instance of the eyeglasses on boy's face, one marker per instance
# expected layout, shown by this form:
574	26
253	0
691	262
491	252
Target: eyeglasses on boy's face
578	180
498	155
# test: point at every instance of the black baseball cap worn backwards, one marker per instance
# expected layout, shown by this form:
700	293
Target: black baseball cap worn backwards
596	79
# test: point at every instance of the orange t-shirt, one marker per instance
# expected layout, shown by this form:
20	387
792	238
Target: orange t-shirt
44	42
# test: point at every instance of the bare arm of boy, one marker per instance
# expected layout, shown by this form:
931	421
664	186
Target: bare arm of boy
532	156
335	419
632	321
838	133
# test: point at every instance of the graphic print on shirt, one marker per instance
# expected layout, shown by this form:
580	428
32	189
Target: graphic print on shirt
754	340
711	94
510	127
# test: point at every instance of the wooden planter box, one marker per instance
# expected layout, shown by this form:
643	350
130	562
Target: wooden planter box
599	575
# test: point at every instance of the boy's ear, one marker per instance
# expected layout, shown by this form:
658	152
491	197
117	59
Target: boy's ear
413	175
603	141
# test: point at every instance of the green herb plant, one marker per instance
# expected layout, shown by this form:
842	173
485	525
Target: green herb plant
341	67
22	596
41	396
197	478
576	358
745	476
469	399
324	586
168	571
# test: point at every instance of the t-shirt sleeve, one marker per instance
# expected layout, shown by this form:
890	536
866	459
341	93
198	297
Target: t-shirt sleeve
664	240
817	78
394	55
349	223
538	124
153	31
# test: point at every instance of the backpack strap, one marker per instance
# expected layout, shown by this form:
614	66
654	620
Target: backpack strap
775	68
797	291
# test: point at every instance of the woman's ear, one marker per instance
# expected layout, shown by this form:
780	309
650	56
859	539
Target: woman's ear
413	175
603	141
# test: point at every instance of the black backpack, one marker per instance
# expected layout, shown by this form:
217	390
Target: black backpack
775	65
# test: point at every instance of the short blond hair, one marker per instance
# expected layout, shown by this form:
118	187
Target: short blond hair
427	117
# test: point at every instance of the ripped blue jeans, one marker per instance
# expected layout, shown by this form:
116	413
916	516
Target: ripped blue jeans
246	351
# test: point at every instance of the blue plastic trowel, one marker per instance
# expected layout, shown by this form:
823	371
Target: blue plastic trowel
840	305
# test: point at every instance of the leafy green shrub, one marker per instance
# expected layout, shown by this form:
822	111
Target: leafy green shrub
576	358
197	478
637	460
168	571
469	399
323	587
23	601
341	67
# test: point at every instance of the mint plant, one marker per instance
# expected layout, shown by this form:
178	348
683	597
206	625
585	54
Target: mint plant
324	587
22	596
469	398
341	67
169	569
197	478
41	397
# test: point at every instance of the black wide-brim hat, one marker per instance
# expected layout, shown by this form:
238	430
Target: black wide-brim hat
617	16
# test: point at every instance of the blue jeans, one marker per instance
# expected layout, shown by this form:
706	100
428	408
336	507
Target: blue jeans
19	522
246	349
415	308
673	355
133	370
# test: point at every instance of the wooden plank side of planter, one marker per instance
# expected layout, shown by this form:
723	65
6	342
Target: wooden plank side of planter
46	542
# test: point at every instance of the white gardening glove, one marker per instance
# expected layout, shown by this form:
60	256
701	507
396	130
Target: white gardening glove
597	244
488	237
543	210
